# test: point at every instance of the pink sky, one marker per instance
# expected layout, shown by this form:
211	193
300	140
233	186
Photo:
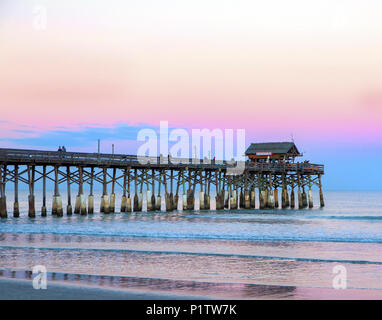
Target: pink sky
310	68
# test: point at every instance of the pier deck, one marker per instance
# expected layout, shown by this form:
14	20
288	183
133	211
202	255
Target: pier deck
121	161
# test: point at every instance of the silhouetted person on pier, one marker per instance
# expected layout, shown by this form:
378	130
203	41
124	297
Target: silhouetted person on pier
59	149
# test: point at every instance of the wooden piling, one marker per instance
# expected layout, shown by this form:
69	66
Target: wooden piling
69	209
271	198
304	198
105	207
91	196
124	198
207	197
171	190
3	199
287	198
152	200
16	210
322	203
201	193
219	195
247	202
253	198
292	199
148	193
299	194
57	201
246	196
80	205
83	210
284	195
276	197
43	208
184	197
158	203
128	201
140	194
176	198
310	194
112	195
190	194
31	202
166	194
261	192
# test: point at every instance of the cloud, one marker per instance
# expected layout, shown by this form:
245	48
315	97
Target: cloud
80	138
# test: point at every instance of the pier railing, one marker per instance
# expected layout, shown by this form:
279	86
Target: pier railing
38	157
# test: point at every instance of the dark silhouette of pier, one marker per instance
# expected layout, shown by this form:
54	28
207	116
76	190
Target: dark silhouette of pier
236	185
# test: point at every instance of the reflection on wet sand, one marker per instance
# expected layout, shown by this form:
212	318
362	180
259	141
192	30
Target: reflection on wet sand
218	290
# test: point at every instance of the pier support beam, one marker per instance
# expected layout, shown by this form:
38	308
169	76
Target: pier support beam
262	198
322	203
304	198
299	194
171	196
233	195
310	196
31	203
284	193
149	194
184	197
3	199
124	198
176	198
128	201
167	199
201	193
43	208
271	198
276	196
57	201
253	198
241	199
207	197
152	200
112	195
190	194
292	199
16	210
284	196
69	209
219	193
158	203
247	202
91	196
80	206
105	205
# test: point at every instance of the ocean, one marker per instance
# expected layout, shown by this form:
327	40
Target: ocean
239	254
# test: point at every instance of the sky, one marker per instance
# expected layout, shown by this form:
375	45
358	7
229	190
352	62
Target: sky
72	72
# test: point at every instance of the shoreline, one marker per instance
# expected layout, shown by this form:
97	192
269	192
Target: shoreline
20	289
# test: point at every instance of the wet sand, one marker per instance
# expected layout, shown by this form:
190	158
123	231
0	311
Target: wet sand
14	289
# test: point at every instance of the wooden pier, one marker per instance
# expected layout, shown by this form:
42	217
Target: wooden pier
261	184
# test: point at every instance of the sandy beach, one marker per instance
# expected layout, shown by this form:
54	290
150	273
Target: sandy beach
14	289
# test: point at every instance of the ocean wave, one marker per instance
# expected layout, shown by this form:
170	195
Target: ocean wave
216	254
201	236
363	218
